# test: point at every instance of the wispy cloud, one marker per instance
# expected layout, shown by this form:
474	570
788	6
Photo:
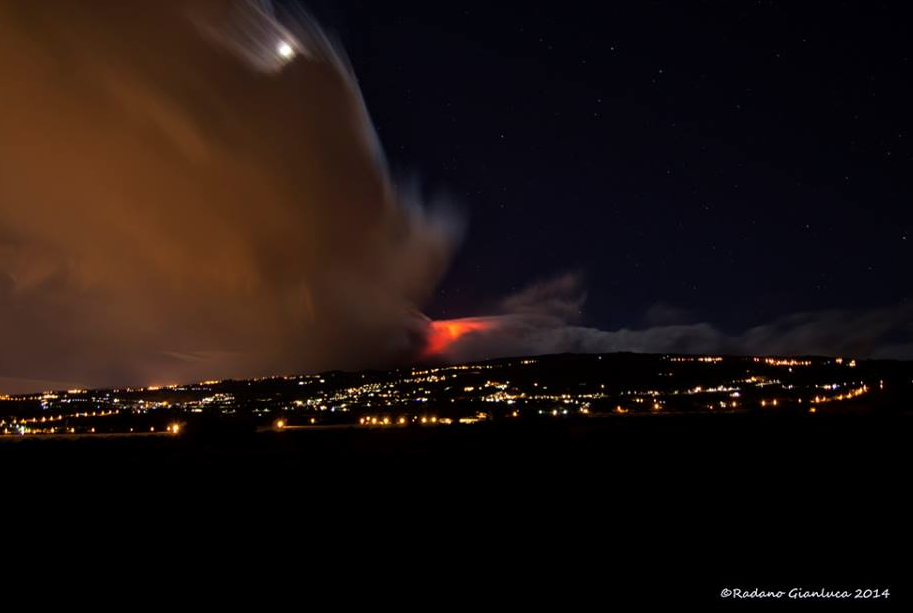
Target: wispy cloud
544	319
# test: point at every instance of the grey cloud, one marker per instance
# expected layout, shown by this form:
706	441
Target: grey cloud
541	320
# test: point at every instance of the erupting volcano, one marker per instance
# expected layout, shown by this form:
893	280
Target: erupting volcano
445	332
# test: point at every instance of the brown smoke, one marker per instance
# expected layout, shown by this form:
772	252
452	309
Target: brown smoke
173	206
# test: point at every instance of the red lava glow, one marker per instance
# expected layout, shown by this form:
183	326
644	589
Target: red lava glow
443	333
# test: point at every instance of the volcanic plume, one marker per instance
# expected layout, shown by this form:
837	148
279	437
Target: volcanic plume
545	318
193	189
443	334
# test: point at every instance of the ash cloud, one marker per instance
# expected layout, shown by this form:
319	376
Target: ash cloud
193	189
544	319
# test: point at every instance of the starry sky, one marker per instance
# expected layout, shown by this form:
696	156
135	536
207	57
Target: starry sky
231	188
721	162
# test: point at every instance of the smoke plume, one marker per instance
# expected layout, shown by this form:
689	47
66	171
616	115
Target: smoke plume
193	189
544	319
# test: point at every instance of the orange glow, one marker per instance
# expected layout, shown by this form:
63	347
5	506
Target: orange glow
443	333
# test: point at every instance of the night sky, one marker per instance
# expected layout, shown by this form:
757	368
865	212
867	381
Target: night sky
201	189
721	162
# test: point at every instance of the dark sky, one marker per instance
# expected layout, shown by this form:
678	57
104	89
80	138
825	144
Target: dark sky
737	161
195	189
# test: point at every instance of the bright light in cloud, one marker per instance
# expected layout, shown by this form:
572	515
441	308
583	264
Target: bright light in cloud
285	50
444	333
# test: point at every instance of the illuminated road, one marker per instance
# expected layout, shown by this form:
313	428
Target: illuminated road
81	435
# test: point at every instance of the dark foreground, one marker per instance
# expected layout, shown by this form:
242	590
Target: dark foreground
663	507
